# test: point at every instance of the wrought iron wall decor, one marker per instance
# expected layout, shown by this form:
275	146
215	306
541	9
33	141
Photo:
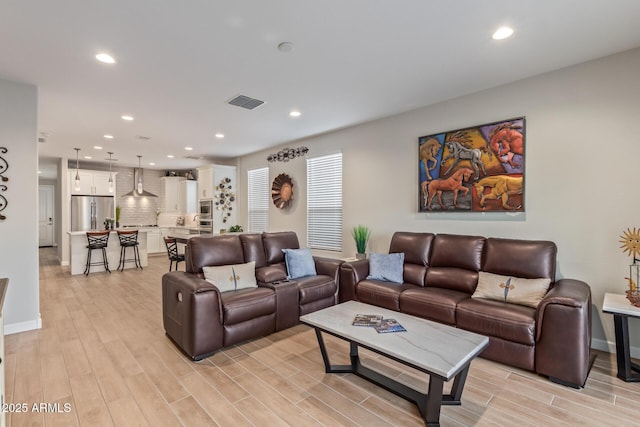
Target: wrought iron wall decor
4	165
287	154
225	198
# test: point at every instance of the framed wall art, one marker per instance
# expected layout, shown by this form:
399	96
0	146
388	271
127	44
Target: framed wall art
475	169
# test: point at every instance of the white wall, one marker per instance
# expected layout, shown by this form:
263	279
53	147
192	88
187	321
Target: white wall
582	162
19	232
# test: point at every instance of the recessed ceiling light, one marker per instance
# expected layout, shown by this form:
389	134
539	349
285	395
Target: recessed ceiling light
97	147
108	136
219	135
151	164
127	118
170	156
188	148
285	47
106	58
502	33
87	157
39	171
295	113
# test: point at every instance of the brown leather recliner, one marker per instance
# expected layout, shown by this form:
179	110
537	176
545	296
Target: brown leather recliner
200	319
440	275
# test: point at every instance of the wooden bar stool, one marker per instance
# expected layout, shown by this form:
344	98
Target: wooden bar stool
172	250
97	240
128	239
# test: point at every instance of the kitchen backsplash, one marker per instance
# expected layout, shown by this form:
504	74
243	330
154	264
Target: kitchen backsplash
138	210
171	220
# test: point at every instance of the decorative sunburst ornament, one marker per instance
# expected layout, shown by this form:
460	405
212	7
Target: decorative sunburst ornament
282	191
631	243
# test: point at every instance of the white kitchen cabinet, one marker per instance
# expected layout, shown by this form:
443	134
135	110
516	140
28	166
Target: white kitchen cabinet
205	182
188	196
171	186
154	242
94	183
179	195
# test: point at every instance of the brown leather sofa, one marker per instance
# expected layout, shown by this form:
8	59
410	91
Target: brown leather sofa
440	275
200	319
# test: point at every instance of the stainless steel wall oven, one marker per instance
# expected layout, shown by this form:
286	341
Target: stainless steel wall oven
205	220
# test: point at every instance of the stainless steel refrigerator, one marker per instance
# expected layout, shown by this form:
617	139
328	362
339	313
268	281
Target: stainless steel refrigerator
89	212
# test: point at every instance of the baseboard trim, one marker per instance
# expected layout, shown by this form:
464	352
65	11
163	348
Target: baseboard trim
610	347
30	325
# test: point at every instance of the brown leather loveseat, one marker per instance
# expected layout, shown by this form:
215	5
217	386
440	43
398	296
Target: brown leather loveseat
440	275
201	319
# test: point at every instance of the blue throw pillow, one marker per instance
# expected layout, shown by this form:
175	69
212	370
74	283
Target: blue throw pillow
387	267
299	263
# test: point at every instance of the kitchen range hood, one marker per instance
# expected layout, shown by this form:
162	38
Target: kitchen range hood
138	185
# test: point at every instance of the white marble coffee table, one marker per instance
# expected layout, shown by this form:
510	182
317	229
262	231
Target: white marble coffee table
441	351
622	309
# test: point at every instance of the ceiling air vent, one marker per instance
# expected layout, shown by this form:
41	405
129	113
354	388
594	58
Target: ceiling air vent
245	102
194	157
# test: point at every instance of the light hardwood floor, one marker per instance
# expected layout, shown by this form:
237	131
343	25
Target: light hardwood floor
102	350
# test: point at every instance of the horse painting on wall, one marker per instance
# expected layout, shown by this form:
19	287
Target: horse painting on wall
476	169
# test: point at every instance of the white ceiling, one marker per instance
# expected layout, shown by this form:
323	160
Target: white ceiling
353	61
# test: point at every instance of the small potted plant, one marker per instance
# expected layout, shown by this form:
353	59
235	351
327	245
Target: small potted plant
118	211
236	229
361	234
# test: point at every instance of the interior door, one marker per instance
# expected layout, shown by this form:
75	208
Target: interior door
45	215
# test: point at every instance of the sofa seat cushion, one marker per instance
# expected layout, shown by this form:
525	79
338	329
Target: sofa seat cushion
240	306
510	322
381	294
314	288
432	303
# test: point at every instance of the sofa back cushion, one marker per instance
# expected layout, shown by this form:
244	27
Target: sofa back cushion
416	248
206	251
274	243
529	259
253	249
455	261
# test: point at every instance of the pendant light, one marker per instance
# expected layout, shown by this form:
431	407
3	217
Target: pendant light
110	176
139	185
76	185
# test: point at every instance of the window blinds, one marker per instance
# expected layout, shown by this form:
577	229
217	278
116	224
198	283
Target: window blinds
324	202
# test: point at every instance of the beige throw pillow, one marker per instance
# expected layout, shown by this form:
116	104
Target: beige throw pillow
514	290
232	277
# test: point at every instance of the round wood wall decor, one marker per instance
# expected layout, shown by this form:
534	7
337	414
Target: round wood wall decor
282	191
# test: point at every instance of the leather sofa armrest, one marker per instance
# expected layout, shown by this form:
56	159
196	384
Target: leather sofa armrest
271	273
563	333
287	302
328	267
351	273
192	313
569	292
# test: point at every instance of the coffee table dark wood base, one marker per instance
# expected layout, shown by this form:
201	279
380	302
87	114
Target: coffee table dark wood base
428	404
627	370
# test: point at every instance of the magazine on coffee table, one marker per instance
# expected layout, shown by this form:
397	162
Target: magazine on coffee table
389	325
367	320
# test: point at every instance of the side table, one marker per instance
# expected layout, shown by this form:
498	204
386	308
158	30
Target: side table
622	309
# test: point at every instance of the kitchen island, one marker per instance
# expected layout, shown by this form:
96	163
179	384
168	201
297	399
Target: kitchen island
78	251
